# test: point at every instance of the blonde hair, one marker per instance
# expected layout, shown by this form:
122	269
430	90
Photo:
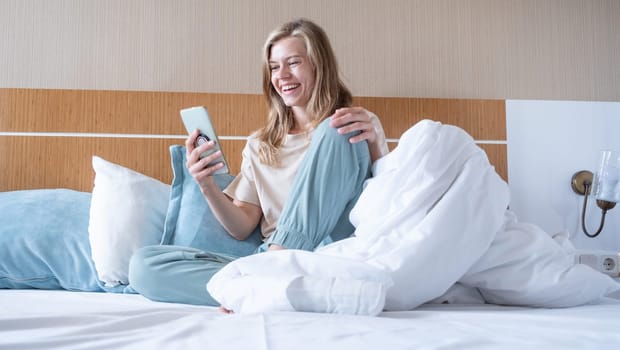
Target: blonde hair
328	94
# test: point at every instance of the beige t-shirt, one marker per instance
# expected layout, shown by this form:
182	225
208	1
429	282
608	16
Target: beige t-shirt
269	186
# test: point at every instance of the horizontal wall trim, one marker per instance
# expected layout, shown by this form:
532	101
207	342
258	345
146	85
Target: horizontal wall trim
491	142
161	136
107	135
480	142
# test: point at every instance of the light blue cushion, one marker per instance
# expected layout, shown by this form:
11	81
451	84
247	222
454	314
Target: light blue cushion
190	222
44	241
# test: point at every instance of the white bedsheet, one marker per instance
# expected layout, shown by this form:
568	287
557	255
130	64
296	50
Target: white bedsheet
36	319
434	214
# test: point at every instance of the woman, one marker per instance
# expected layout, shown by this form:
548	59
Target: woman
300	176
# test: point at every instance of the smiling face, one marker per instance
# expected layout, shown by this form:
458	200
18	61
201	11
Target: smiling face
292	73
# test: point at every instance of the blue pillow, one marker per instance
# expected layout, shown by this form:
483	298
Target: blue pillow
44	241
190	222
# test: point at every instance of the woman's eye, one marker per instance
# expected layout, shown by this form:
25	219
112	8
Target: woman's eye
273	68
294	63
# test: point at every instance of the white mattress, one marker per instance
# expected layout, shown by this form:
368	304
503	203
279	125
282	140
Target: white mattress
36	319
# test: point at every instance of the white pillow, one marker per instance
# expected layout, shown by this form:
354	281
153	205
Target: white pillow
127	211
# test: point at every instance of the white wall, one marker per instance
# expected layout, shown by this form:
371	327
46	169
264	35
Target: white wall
548	141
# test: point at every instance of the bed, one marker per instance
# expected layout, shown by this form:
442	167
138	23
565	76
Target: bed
77	320
74	211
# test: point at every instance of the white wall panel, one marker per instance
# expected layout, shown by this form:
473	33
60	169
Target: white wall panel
548	141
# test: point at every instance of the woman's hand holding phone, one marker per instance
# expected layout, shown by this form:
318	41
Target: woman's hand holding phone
197	119
202	169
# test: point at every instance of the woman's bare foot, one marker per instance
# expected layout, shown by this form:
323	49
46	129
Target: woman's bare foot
275	247
225	310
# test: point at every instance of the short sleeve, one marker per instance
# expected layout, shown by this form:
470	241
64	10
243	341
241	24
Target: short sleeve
380	134
243	186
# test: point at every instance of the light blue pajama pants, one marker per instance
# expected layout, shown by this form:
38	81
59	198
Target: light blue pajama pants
327	185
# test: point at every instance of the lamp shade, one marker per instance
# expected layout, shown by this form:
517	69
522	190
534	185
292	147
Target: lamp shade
606	184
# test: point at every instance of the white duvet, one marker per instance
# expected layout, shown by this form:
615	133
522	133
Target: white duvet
431	225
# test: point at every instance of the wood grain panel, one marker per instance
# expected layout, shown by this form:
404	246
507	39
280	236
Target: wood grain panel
498	155
483	119
130	112
65	162
139	112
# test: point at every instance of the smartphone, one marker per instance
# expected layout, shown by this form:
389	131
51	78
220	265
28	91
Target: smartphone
198	118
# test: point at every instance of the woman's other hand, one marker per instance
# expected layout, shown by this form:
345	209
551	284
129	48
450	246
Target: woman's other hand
351	119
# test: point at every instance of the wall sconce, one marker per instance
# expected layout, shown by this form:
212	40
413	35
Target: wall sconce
605	187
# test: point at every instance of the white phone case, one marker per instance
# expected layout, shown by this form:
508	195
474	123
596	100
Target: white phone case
198	118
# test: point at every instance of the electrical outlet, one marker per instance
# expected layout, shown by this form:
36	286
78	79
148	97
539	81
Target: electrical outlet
607	262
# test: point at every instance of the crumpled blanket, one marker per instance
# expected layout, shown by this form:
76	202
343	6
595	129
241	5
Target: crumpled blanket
432	218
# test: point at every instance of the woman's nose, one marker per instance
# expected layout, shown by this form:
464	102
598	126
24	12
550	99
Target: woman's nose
283	72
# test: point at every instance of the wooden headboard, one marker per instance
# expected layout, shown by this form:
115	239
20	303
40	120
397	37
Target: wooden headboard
48	137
